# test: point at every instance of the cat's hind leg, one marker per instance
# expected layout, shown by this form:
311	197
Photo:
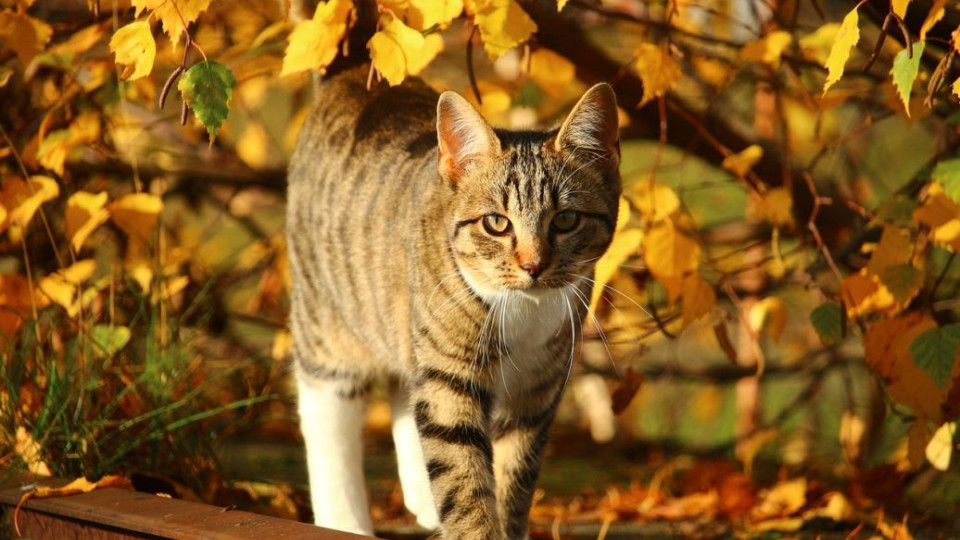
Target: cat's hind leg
332	409
411	466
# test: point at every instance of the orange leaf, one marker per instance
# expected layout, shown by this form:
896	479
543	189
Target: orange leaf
85	212
78	486
137	215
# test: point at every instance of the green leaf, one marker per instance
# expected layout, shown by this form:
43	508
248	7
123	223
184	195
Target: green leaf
826	320
108	339
903	281
905	69
947	174
935	352
207	87
897	210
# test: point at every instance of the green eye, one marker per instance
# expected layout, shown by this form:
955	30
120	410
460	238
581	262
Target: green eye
565	221
496	224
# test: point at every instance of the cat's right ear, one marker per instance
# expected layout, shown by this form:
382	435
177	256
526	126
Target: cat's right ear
464	138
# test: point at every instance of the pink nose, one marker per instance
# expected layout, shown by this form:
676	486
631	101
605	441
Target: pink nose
532	268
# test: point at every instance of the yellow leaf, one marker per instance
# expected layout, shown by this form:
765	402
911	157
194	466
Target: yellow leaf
30	452
625	243
81	41
314	44
424	14
252	148
669	253
80	485
863	293
769	315
933	17
768	49
847	37
741	162
18	300
942	215
654	200
282	344
775	207
940	448
137	214
816	46
56	147
900	7
552	72
503	25
24	34
837	508
62	287
658	71
955	87
852	428
783	499
560	5
698	298
173	14
23	198
134	47
398	50
85	212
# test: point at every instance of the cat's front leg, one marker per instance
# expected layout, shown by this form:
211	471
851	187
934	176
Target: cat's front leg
451	409
519	430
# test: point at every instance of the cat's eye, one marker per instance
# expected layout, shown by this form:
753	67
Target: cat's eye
496	224
565	221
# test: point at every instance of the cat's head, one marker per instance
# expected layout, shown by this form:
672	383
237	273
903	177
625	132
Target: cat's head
530	211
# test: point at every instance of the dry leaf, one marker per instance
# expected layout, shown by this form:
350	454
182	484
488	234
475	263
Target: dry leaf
698	298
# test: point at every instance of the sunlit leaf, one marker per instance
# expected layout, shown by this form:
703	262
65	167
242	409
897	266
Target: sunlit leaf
173	15
894	249
425	14
24	34
768	49
940	448
769	315
108	339
398	50
933	17
900	7
947	174
658	71
552	72
134	47
314	43
935	351
85	212
775	206
137	214
30	451
697	300
654	200
942	215
741	162
57	147
22	199
863	293
904	71
826	320
503	25
5	74
847	37
904	282
852	429
625	244
63	287
669	255
207	88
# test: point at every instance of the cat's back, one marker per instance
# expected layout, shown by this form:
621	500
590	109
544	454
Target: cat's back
360	172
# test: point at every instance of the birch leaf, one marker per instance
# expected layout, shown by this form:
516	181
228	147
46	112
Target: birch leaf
207	88
398	50
900	7
905	71
133	46
314	44
85	212
847	37
503	25
424	14
23	198
173	14
658	71
940	448
137	215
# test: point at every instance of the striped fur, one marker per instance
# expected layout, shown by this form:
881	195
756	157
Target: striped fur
395	275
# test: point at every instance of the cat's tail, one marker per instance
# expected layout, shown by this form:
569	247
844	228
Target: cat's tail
362	27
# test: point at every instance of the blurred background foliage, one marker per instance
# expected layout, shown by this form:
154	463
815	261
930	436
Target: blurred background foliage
774	339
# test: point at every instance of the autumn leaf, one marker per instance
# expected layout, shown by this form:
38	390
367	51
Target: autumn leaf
85	212
941	215
30	451
108	339
207	87
698	298
900	7
935	352
775	206
314	43
904	71
57	147
625	244
784	499
553	73
173	14
933	17
5	74
852	429
625	391
137	214
740	163
768	49
940	448
654	200
669	255
947	174
658	71
769	315
863	293
398	50
503	25
425	14
22	198
847	37
24	34
826	319
134	47
63	287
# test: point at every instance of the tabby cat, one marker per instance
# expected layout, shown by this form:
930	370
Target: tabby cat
455	260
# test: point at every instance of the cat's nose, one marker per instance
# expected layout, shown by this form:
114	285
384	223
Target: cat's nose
532	268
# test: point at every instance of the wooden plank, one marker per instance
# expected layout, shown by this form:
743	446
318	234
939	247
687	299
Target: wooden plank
149	516
40	526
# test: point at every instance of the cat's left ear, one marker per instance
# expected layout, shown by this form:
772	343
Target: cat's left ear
465	139
592	126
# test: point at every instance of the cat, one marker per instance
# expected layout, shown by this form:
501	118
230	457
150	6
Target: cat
455	259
